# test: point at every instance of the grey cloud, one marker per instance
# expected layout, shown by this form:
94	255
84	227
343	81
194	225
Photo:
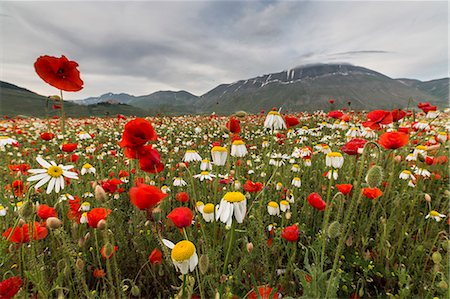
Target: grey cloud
140	47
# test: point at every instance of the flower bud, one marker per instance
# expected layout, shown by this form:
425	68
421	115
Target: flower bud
26	210
249	247
79	264
334	230
240	113
156	214
135	291
443	285
374	176
101	225
436	257
53	223
100	193
21	222
108	249
288	215
203	263
427	197
398	158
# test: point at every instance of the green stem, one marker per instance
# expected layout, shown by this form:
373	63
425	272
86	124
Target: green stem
63	129
230	245
325	221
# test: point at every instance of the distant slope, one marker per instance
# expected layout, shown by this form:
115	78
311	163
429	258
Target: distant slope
15	100
167	102
438	88
310	88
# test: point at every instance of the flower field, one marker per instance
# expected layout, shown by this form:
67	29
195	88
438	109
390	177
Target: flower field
249	206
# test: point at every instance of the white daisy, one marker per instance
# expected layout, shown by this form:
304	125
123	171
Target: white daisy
184	255
219	155
274	121
191	155
435	215
53	174
204	175
208	212
273	208
178	181
205	165
238	148
232	203
296	182
5	140
84	135
87	168
284	206
334	159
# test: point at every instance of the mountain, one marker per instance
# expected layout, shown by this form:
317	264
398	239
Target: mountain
438	88
15	100
310	87
303	88
167	102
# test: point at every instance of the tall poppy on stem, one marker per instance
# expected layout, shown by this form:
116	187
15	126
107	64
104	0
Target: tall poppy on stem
60	73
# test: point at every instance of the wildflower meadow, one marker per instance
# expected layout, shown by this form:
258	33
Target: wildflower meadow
281	204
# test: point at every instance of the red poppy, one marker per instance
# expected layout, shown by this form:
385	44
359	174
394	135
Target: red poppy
398	114
97	214
331	101
150	160
137	132
22	234
47	136
155	257
251	187
377	117
290	233
74	212
111	185
69	147
146	197
393	140
344	188
18	188
102	252
10	287
234	125
291	121
99	273
182	197
123	173
426	107
264	293
181	217
345	117
335	114
352	147
59	72
372	193
44	212
316	201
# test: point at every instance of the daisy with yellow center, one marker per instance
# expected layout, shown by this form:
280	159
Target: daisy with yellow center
178	181
279	186
191	155
87	168
274	121
199	205
273	208
334	159
85	206
205	175
238	148
353	132
205	165
51	173
183	254
2	211
307	162
284	206
420	149
442	136
406	175
232	203
84	135
296	182
295	168
208	212
219	155
435	215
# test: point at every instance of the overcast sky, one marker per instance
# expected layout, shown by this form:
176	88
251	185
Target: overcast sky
142	47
